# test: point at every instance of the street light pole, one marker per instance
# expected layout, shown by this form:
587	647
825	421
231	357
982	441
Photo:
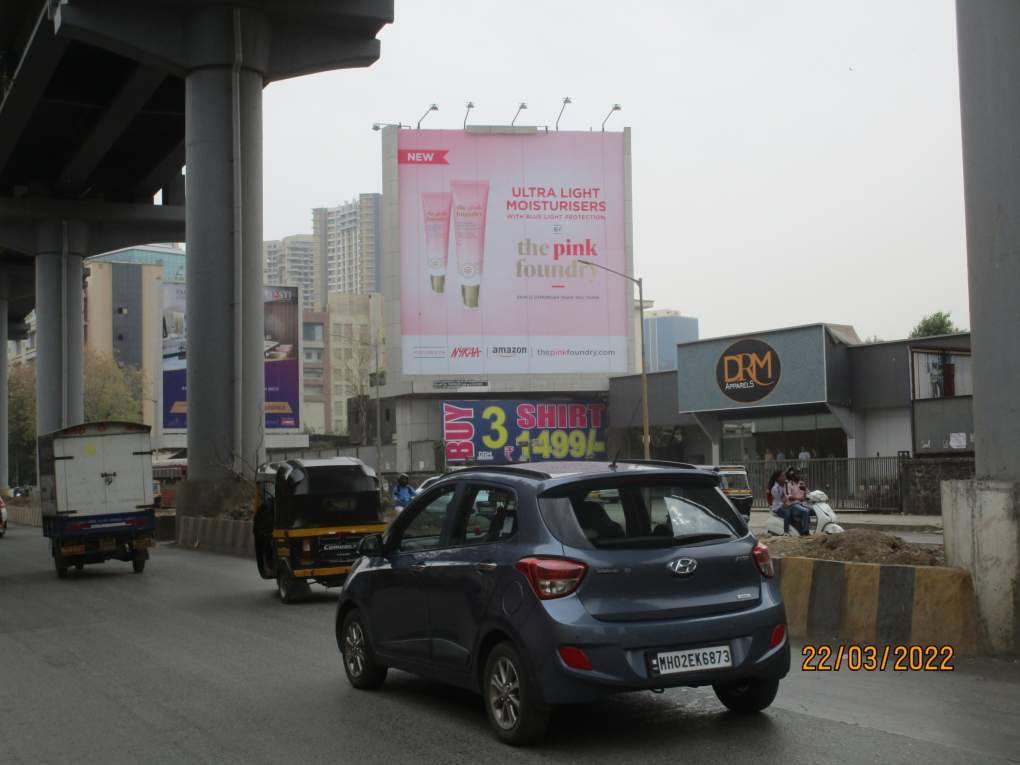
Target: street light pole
378	414
645	434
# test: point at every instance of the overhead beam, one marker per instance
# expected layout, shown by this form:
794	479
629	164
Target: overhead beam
300	49
109	127
164	171
40	59
151	35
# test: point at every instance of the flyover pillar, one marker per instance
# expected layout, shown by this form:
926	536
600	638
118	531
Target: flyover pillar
223	144
982	517
5	430
60	329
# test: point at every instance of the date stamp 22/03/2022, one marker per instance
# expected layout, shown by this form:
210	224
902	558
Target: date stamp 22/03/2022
872	658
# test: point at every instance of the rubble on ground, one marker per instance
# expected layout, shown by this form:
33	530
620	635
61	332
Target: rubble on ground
858	546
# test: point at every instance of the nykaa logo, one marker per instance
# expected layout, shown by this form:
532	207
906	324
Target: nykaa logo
748	370
466	352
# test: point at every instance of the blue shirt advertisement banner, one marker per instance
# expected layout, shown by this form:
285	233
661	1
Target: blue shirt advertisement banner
501	432
281	348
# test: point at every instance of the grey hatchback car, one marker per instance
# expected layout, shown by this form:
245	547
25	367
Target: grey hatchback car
551	583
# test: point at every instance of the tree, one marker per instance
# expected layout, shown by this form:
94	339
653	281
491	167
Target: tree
21	424
112	392
938	323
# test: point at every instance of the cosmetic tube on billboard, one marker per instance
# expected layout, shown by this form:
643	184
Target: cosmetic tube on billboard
470	200
435	206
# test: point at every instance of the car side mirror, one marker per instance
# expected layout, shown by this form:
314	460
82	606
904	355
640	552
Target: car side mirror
370	546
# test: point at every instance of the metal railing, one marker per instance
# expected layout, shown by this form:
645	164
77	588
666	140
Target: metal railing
861	483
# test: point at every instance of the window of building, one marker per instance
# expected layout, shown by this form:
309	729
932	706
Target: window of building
312	372
313	331
313	354
941	374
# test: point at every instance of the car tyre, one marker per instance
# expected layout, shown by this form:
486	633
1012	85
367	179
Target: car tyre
747	696
138	563
363	671
516	711
60	564
289	589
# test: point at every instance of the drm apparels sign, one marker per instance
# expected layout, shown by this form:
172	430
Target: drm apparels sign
501	432
498	234
748	370
768	369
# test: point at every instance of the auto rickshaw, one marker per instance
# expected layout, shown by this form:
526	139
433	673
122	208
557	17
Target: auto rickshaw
735	486
310	516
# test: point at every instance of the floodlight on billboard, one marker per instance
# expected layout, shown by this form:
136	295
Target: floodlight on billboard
498	231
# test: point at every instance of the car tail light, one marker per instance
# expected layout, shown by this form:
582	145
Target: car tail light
552	577
778	633
306	546
574	657
763	560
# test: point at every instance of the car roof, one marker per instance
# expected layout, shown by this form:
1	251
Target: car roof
552	473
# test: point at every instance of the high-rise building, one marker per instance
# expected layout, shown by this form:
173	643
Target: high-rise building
291	262
347	245
354	347
663	330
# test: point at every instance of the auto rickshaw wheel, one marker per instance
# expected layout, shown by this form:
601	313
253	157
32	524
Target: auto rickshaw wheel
290	589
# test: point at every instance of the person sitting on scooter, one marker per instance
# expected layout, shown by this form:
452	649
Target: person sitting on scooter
777	494
403	493
796	492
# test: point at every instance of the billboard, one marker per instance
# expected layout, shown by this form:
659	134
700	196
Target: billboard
499	432
767	369
499	232
282	360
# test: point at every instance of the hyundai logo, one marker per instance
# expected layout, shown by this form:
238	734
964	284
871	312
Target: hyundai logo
682	566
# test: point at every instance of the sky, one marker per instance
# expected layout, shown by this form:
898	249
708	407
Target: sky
793	162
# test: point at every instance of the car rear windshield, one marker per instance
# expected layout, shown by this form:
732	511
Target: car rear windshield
349	509
640	513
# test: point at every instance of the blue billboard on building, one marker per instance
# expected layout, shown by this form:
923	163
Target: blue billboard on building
500	432
281	347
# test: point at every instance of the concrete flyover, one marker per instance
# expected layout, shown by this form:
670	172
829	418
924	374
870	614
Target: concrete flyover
104	101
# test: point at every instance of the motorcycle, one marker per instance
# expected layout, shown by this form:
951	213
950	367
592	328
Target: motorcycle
822	517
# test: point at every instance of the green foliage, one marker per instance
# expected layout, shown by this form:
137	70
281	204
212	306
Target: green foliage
21	421
111	392
938	323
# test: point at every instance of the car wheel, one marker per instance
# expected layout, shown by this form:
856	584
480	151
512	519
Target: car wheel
747	696
363	672
60	564
516	713
138	563
289	589
79	566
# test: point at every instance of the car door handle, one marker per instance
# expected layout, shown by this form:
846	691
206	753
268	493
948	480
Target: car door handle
417	568
482	568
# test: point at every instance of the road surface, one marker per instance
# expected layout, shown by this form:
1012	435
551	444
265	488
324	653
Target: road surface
196	661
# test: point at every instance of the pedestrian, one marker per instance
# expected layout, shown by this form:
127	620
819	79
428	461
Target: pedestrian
781	456
798	511
403	493
769	456
803	458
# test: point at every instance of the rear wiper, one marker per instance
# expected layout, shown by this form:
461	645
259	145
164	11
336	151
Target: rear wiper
692	538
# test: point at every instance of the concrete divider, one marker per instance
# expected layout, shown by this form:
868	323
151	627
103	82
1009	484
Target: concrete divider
220	535
24	515
830	601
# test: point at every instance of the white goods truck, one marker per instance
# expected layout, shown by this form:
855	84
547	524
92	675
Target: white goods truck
95	488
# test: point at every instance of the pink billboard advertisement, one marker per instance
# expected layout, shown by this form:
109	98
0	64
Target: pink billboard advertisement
498	236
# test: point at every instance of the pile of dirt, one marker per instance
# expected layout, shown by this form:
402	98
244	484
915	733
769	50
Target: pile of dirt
857	546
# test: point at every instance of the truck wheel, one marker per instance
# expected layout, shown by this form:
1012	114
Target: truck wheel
138	563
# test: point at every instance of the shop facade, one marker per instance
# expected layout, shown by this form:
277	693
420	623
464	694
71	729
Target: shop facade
810	392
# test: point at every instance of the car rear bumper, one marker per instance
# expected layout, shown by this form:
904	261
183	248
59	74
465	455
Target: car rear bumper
619	651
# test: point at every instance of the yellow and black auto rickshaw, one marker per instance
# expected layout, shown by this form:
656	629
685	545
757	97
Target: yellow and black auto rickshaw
309	519
736	487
